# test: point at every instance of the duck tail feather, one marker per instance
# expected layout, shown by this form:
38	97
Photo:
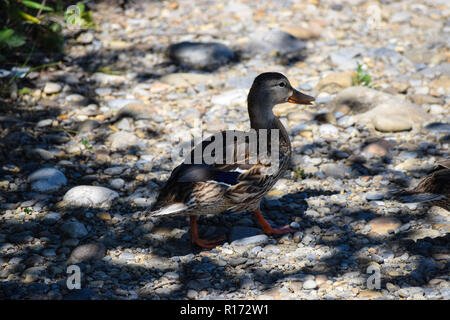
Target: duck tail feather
169	210
412	197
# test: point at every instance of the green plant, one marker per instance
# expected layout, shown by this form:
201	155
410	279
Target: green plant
77	15
10	40
86	144
360	77
27	210
299	174
28	25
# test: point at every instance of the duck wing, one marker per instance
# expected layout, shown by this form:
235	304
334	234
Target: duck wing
244	161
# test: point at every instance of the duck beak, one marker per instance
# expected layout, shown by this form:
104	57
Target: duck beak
300	98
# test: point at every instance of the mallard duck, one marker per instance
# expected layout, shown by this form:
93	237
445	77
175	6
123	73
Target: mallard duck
434	189
237	178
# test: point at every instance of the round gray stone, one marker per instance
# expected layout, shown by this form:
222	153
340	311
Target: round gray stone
90	196
47	180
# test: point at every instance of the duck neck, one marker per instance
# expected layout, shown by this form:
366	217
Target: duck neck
261	115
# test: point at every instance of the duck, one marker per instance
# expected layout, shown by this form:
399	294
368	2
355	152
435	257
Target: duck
235	178
434	189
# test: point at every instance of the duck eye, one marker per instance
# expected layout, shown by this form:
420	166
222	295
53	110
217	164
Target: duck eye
282	84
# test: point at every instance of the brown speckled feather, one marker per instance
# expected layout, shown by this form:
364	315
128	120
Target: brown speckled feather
434	189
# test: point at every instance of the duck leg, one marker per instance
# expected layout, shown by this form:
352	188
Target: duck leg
208	244
266	227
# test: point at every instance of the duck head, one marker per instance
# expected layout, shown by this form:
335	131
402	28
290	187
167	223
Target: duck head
268	90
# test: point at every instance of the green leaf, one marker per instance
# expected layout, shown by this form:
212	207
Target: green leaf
28	17
15	41
24	91
6	34
81	6
55	27
35	5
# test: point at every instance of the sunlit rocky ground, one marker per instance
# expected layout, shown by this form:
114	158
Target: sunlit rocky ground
115	109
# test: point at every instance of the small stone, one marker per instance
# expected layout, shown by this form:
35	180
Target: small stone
44	123
85	38
370	196
275	40
74	229
370	294
90	196
114	171
52	87
311	32
334	82
32	274
379	148
391	287
328	130
337	171
51	218
126	256
197	55
87	252
117	183
191	294
122	140
382	225
438	127
254	241
119	103
43	154
105	216
297	236
87	125
443	83
309	284
393	124
47	180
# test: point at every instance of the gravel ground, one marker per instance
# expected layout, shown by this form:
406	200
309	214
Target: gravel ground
84	153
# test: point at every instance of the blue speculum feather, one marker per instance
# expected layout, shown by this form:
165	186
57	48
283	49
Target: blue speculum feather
227	177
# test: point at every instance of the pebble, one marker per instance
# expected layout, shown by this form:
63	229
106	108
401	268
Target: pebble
254	240
117	183
382	225
90	196
328	130
275	40
370	196
309	284
74	229
203	56
47	180
51	218
122	140
87	252
52	87
117	104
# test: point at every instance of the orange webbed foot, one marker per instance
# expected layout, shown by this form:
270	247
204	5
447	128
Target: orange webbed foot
267	228
207	244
